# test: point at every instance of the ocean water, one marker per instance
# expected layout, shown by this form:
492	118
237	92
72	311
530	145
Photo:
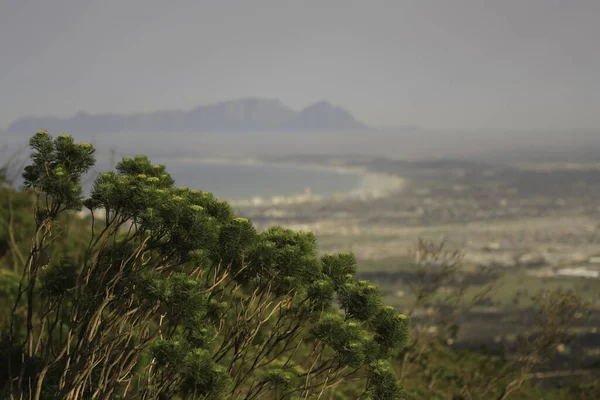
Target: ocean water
230	182
241	182
235	182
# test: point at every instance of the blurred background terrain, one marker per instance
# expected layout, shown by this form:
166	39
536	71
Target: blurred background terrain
471	123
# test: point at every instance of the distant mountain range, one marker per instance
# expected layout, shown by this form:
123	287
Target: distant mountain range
249	114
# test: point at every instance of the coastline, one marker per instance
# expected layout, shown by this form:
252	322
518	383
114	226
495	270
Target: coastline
371	185
256	161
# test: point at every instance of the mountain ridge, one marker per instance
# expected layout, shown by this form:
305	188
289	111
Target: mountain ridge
244	114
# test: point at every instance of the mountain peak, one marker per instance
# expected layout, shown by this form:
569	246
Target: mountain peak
322	104
243	114
324	115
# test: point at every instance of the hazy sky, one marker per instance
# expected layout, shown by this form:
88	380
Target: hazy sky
503	64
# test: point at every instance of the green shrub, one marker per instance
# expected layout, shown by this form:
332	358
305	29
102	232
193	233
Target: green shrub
173	296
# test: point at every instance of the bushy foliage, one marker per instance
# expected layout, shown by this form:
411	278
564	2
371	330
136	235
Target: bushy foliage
172	296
